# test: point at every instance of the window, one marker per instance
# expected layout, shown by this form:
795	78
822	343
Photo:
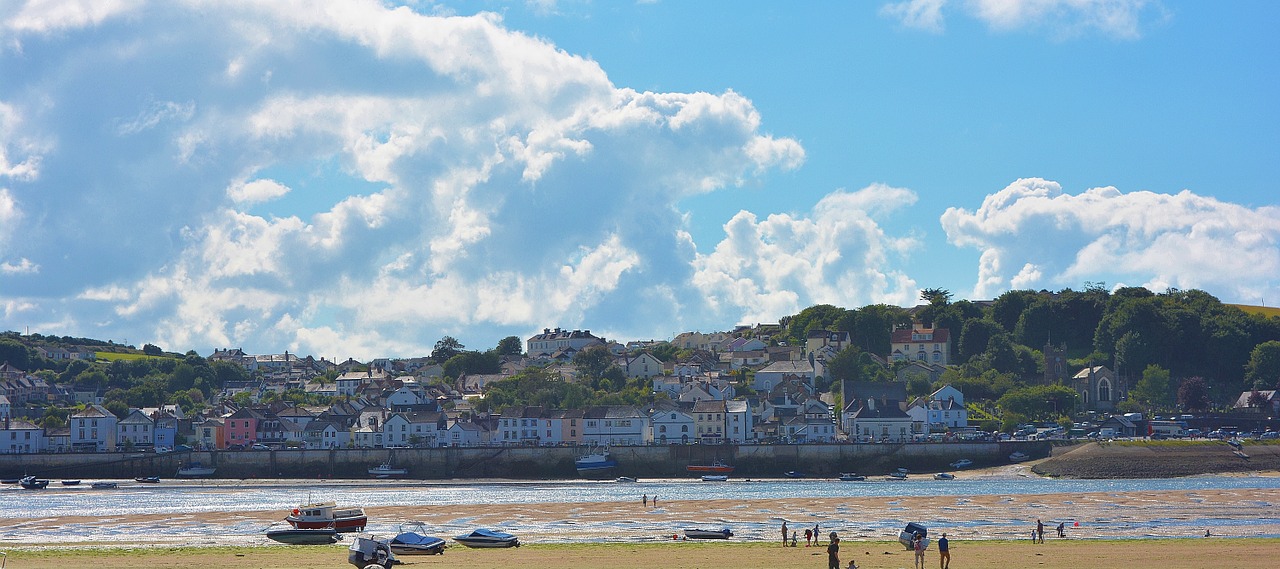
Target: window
1104	390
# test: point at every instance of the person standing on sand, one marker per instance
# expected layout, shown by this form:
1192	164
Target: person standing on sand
918	544
833	552
784	533
817	537
944	553
645	500
1039	531
808	537
1062	529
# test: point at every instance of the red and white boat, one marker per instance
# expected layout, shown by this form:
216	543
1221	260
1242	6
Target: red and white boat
322	515
716	467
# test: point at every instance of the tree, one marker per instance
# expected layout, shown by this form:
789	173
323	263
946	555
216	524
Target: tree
509	346
1257	399
1154	390
152	350
1193	394
14	352
446	348
935	295
1263	369
592	362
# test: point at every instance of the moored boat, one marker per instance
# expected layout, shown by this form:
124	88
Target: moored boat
104	485
295	536
487	538
416	542
366	551
597	461
70	482
195	470
625	479
699	533
896	475
962	463
385	470
794	474
9	480
1018	456
147	479
33	483
944	476
852	477
715	477
327	515
716	467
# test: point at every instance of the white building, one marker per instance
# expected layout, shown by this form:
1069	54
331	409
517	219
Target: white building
672	426
615	425
19	436
136	430
771	375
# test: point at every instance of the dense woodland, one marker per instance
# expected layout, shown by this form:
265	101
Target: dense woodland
1178	350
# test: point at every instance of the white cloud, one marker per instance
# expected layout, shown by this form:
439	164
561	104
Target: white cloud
1063	18
1053	240
53	15
256	191
22	267
922	14
837	254
154	114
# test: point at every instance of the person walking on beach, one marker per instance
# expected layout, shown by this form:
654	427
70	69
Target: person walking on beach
784	533
1039	531
918	543
645	500
808	537
944	553
817	537
1062	529
833	552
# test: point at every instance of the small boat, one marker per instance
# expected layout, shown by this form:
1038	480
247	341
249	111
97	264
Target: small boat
147	479
9	480
195	470
487	538
416	542
908	535
716	467
903	471
33	483
595	462
1018	457
624	479
385	470
327	515
944	476
104	485
794	474
366	551
698	533
962	463
70	482
852	477
715	477
295	536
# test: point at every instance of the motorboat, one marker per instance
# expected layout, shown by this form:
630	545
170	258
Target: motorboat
366	551
699	533
596	461
1018	456
908	535
104	485
896	475
147	479
70	482
716	467
794	474
9	480
33	483
715	477
295	536
625	479
944	476
195	470
327	515
416	542
962	463
487	538
385	470
852	477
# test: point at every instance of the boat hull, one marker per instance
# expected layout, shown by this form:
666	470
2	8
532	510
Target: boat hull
320	536
709	469
340	525
707	534
416	544
484	539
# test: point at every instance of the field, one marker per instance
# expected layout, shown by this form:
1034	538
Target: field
1266	311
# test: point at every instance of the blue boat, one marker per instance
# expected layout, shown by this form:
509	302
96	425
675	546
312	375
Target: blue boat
595	463
416	542
487	538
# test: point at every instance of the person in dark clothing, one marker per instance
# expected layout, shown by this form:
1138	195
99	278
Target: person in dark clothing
1039	531
1062	529
944	553
833	552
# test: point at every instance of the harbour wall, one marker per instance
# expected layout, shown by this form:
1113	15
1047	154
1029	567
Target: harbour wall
824	460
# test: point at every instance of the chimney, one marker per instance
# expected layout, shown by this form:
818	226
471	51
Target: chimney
871	404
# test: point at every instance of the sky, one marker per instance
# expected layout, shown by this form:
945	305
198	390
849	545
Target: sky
359	178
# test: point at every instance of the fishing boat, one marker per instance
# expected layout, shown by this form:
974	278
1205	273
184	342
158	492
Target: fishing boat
593	462
295	536
416	542
104	485
852	477
70	482
896	475
794	474
33	483
1018	457
962	463
699	533
385	470
195	470
147	479
487	538
716	467
625	479
327	515
944	476
715	477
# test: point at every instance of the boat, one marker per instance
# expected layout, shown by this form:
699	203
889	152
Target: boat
147	479
1018	456
70	482
962	463
487	538
596	461
385	470
907	536
195	470
896	475
327	515
715	477
794	474
699	533
33	483
295	536
944	476
366	551
416	542
624	479
715	467
104	485
9	480
852	477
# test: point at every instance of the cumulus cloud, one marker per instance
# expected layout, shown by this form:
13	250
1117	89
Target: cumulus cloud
1033	235
1117	18
256	191
836	254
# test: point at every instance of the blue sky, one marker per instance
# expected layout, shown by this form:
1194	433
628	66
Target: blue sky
359	179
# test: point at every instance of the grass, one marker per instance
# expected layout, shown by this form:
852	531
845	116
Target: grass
1265	311
114	356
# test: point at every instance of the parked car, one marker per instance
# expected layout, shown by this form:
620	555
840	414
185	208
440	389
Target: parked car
259	446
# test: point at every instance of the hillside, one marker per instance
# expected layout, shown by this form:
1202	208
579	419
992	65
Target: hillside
1157	459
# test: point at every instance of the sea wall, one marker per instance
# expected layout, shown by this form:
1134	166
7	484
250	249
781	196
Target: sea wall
524	462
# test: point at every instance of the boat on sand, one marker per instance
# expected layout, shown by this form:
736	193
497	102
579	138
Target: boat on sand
327	515
699	533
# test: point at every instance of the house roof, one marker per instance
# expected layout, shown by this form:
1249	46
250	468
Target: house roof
905	336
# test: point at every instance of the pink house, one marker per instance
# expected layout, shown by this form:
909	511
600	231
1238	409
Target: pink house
241	427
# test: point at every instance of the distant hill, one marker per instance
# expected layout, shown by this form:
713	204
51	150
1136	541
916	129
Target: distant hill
1266	311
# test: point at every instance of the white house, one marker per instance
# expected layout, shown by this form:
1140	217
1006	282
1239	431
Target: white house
549	342
771	375
644	365
709	421
20	436
738	427
136	430
672	426
409	393
931	345
93	430
942	410
466	434
878	422
615	425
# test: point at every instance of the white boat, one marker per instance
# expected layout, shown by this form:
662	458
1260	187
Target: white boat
33	483
327	515
907	536
962	463
1018	457
852	477
596	461
944	476
295	536
416	542
366	551
715	478
487	538
896	475
195	470
699	533
624	479
385	470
